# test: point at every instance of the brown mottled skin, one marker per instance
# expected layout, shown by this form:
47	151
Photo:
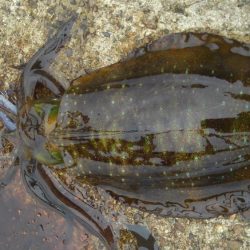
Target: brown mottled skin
166	130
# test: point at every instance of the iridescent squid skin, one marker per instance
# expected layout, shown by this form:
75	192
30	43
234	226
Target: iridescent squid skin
165	130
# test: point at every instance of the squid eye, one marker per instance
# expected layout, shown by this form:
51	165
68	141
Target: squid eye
47	112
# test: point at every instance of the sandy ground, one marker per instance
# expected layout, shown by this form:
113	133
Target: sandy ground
106	30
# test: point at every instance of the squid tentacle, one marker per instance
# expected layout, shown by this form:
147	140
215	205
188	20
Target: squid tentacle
42	184
41	62
8	112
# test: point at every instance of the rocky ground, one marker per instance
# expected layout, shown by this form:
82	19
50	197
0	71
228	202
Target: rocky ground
107	30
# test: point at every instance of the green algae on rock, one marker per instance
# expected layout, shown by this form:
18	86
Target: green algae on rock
166	130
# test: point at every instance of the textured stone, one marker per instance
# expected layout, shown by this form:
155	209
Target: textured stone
107	30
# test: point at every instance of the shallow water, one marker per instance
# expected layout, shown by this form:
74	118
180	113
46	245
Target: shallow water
180	136
165	131
28	224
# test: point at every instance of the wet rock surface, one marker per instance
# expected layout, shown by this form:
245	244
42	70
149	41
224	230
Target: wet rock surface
107	30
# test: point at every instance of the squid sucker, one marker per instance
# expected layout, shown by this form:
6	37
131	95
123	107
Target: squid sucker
166	130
